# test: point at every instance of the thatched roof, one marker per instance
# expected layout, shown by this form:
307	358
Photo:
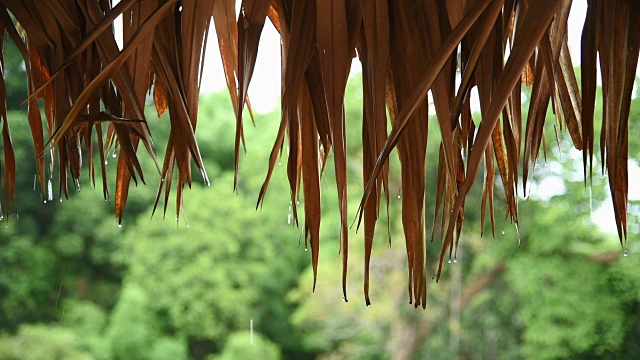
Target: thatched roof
407	48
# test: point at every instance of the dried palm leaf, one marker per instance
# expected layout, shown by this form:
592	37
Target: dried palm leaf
407	48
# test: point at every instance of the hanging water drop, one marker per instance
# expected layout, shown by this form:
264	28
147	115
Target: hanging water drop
455	260
289	219
106	162
449	261
119	225
1	217
306	249
626	253
398	196
188	227
45	201
518	233
502	232
114	155
279	162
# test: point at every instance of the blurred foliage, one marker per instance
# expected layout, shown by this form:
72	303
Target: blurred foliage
74	285
245	345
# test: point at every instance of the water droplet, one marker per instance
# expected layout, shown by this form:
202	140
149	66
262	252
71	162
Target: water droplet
49	190
626	253
518	233
344	298
1	217
502	232
162	180
177	218
106	162
279	162
60	199
119	225
368	305
289	219
114	155
208	183
455	260
449	261
188	226
297	202
45	201
306	249
398	196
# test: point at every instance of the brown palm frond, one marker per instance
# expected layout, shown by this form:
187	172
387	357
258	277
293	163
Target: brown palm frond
407	49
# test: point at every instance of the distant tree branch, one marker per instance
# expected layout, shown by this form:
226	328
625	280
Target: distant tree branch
423	328
606	258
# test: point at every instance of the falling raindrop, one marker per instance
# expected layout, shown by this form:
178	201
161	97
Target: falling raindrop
289	219
49	190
